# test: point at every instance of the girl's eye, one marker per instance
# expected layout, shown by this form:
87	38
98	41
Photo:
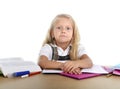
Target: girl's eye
68	28
58	27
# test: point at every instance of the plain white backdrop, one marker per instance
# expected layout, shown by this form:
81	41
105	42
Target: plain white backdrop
24	24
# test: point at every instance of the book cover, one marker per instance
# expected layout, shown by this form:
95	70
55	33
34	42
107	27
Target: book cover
81	76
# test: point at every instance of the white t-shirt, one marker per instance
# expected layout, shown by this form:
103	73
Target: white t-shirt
46	50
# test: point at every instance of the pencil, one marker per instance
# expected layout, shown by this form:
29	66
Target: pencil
109	75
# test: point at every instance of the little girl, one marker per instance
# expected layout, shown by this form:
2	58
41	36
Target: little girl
61	48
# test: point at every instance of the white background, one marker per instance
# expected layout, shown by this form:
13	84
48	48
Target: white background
24	24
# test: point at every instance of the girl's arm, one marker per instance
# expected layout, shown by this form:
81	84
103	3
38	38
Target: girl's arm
48	64
69	66
83	62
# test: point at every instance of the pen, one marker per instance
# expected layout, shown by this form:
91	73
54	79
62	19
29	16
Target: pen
28	75
21	73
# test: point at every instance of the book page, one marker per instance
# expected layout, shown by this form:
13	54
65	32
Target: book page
11	59
51	71
95	69
9	67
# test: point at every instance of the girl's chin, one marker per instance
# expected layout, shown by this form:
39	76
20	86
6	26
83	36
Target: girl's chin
63	42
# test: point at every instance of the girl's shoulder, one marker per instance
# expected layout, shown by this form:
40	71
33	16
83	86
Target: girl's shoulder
48	46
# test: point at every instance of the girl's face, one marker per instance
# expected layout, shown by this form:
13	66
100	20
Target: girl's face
63	31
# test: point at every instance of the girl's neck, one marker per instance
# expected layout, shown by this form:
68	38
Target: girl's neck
63	45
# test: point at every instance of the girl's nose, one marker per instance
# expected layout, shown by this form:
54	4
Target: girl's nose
63	29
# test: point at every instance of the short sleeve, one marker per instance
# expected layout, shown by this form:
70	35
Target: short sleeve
46	51
81	50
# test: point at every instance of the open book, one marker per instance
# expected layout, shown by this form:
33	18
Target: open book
95	69
8	66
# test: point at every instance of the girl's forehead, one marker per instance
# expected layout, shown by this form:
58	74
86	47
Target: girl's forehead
63	21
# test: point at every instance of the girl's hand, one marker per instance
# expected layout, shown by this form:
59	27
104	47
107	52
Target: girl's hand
75	71
71	67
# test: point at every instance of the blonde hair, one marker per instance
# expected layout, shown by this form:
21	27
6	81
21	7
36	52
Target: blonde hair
75	39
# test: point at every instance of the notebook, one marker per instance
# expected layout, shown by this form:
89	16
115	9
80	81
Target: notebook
81	76
116	72
51	71
96	70
116	69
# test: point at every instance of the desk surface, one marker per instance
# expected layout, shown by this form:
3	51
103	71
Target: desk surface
54	81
